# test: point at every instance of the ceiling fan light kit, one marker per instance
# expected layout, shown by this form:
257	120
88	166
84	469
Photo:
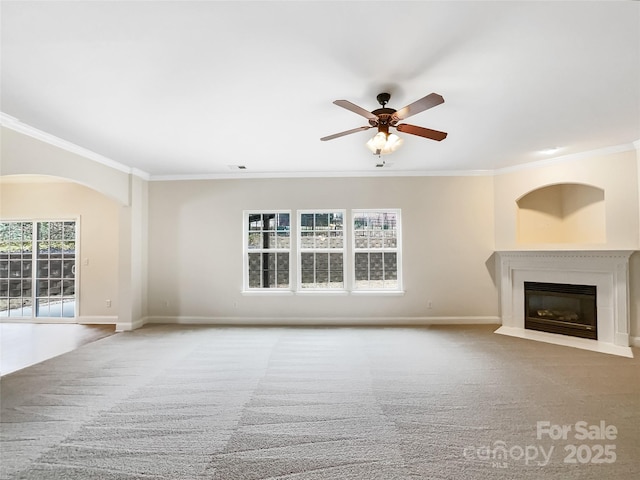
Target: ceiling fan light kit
382	118
383	143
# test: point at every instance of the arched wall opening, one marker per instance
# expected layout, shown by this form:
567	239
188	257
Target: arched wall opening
562	213
97	217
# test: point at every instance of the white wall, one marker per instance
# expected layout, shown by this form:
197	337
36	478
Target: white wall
616	173
634	268
195	252
179	244
562	213
51	199
23	154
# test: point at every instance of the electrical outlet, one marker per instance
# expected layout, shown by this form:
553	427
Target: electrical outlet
429	304
108	303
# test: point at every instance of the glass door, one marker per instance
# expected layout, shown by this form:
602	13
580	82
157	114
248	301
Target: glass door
16	273
49	289
56	269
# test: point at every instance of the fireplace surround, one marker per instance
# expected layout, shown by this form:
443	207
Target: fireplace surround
606	270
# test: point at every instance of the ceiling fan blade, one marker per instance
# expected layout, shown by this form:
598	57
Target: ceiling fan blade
418	106
356	109
342	134
421	132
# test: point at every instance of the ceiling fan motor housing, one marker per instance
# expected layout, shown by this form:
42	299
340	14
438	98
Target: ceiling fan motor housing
384	119
384	114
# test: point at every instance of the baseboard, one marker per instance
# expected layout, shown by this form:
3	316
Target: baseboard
634	341
126	327
97	320
324	321
110	320
60	320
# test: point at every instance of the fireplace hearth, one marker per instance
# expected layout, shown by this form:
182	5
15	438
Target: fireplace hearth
561	308
607	270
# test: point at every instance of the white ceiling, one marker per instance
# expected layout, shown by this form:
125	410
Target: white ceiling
191	88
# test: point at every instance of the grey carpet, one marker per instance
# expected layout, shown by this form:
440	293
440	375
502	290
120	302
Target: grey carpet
170	402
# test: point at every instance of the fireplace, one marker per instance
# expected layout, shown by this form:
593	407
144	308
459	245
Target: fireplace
607	270
561	308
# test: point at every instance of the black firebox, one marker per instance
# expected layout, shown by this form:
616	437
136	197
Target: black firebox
561	308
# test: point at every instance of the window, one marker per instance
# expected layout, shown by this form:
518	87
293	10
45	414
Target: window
50	287
321	250
267	250
376	250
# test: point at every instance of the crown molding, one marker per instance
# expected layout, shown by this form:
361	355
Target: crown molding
391	173
16	125
376	173
625	147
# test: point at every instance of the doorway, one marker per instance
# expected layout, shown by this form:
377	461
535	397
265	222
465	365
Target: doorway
38	269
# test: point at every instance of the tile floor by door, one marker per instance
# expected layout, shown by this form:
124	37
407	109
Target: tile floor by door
25	344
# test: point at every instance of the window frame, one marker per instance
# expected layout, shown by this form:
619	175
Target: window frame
329	250
348	251
398	289
246	288
62	280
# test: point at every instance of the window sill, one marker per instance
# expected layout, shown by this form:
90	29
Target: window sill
268	292
312	292
378	293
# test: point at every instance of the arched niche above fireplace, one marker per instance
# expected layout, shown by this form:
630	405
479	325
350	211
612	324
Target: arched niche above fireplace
562	213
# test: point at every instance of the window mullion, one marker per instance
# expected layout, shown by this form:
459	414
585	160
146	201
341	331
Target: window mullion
34	268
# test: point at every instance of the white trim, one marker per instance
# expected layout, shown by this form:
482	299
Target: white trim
129	326
393	173
64	320
34	221
608	270
625	147
377	293
338	292
267	292
326	321
566	341
336	174
328	249
97	320
16	125
246	250
634	341
397	249
327	292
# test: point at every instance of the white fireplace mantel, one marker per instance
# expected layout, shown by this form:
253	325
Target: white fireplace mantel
608	270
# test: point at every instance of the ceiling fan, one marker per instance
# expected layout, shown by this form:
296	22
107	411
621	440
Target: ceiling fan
383	118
